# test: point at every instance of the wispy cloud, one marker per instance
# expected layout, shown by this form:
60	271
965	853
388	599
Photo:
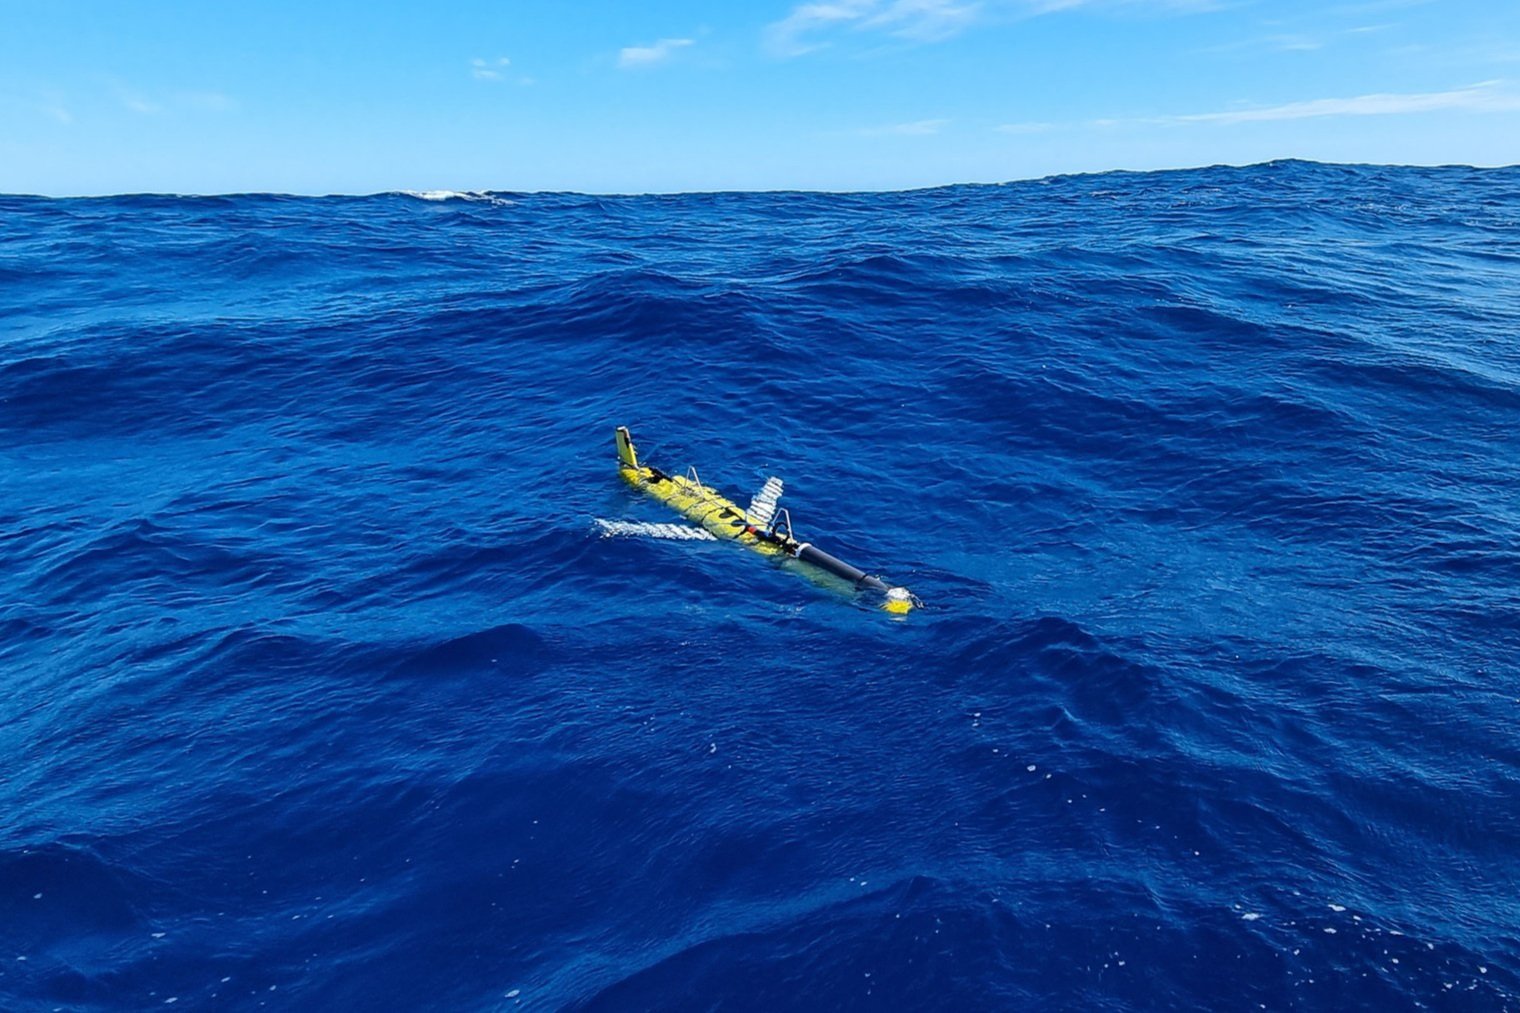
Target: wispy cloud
917	128
1298	37
210	101
1489	96
52	105
164	103
631	57
137	102
1295	43
805	28
1485	97
925	20
482	69
814	25
1026	128
794	34
1374	7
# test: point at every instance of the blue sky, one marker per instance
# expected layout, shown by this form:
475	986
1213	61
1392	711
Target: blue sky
612	96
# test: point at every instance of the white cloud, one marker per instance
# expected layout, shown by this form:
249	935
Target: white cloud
1314	37
489	70
790	35
809	26
924	20
917	128
647	56
51	104
170	103
1488	96
921	20
1295	43
1375	7
210	101
1026	128
138	103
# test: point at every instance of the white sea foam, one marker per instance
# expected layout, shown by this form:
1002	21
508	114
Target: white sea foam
645	529
479	196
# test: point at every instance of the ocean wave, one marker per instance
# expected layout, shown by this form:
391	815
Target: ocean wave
474	196
324	691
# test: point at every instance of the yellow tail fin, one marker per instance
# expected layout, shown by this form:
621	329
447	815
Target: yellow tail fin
626	453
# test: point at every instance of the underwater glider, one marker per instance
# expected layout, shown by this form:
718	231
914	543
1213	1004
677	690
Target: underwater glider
760	527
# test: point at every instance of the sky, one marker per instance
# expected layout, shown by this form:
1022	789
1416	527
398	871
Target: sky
335	96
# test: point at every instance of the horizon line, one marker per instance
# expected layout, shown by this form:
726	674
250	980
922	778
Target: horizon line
443	193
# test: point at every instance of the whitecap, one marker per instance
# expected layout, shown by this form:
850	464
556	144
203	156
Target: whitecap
442	194
478	196
648	529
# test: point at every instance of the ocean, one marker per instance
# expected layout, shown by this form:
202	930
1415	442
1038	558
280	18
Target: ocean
324	688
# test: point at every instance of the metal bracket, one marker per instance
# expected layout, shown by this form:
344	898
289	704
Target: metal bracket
784	515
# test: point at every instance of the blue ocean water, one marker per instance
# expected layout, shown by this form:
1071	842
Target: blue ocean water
324	691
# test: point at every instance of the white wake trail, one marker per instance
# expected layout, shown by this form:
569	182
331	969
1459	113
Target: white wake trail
644	529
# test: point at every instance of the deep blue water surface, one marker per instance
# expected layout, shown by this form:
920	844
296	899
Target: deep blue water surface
322	689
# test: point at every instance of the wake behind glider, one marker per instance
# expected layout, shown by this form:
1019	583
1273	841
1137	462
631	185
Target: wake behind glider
761	526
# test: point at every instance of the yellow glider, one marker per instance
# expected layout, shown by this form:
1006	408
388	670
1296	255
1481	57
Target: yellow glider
756	528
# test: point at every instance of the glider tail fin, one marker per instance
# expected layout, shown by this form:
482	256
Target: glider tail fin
626	454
